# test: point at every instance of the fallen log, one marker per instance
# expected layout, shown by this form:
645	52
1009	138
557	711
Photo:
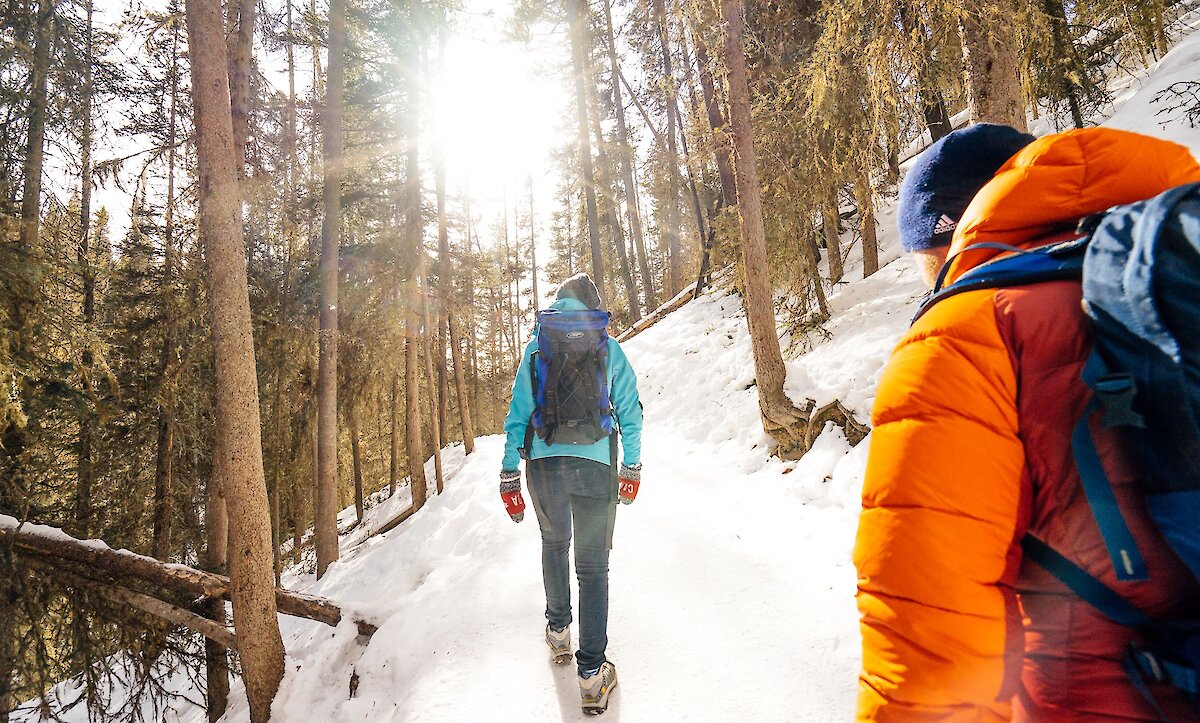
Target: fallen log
41	542
150	605
394	522
660	313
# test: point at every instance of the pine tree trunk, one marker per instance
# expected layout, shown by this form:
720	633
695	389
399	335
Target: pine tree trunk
533	256
1159	23
1063	57
833	242
604	183
414	224
865	196
327	423
435	414
394	470
237	456
85	471
780	416
716	121
356	456
577	11
460	387
241	45
933	107
674	250
992	65
625	166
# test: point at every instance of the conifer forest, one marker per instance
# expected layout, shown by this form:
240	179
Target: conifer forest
260	260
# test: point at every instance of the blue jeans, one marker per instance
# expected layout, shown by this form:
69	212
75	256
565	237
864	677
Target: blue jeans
568	490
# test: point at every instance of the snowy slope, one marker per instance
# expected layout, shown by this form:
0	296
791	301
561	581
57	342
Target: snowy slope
731	586
730	566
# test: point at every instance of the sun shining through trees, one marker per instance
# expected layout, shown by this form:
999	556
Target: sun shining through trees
499	112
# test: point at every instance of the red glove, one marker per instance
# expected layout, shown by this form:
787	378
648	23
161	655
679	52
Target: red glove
629	478
510	494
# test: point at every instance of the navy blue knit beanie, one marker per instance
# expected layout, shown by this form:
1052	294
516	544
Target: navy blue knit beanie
944	179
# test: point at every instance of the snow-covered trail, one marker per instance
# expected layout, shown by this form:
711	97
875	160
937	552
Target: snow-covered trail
731	593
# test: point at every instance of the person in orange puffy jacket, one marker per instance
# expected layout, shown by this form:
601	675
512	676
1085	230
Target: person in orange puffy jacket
971	451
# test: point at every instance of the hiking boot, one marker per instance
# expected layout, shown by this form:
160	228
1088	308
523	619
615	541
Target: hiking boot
595	689
559	644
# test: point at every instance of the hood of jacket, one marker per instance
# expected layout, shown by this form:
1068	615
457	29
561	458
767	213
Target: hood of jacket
1044	190
569	304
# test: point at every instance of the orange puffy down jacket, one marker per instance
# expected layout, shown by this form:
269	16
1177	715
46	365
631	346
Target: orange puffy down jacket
971	450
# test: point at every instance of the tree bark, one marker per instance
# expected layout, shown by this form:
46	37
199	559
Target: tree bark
84	468
165	453
577	19
327	421
394	471
414	225
674	249
716	121
604	183
992	66
625	166
241	45
356	456
865	196
830	218
237	456
51	545
780	417
460	387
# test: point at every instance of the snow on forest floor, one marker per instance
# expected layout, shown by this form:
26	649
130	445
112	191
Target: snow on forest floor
732	569
731	585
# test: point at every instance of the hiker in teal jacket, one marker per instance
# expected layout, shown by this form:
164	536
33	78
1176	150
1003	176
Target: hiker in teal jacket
574	485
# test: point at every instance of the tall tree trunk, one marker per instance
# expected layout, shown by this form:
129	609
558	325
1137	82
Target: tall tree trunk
865	196
414	224
933	107
604	183
165	455
577	18
394	470
780	416
533	272
85	471
674	250
216	657
1063	57
327	431
716	121
830	219
625	164
356	456
1159	24
460	388
241	47
237	455
444	263
435	415
992	76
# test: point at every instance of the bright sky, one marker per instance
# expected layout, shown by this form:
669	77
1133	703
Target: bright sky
502	109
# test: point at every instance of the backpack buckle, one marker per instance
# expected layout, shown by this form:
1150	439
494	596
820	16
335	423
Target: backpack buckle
1116	393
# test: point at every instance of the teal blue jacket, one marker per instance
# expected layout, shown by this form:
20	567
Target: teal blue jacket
622	390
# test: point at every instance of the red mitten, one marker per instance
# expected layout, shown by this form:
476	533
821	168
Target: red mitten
510	494
629	478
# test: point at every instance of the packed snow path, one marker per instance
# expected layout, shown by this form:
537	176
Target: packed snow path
731	580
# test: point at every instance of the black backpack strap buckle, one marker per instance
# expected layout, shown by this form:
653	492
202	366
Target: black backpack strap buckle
1115	393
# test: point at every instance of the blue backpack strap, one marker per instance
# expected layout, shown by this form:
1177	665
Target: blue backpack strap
1141	663
1118	540
1055	262
1088	588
